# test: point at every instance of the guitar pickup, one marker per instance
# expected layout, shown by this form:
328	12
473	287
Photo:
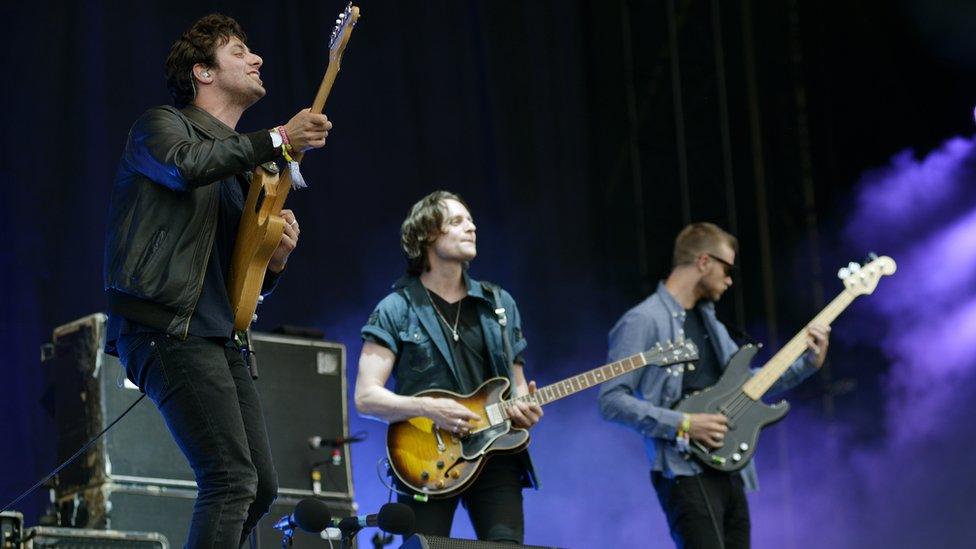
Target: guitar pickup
494	414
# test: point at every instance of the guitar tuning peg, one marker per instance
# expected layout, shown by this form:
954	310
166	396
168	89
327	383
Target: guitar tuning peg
854	266
872	256
844	273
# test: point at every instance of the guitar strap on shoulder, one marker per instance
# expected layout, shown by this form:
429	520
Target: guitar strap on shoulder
496	293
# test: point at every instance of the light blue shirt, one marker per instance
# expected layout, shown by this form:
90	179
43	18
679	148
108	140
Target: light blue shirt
643	399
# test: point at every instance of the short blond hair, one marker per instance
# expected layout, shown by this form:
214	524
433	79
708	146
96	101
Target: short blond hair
699	238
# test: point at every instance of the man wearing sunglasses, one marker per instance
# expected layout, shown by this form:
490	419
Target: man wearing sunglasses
704	508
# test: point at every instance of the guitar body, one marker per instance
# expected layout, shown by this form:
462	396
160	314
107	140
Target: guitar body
746	417
258	235
437	463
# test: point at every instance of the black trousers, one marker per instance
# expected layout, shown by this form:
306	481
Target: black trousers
207	397
683	501
494	504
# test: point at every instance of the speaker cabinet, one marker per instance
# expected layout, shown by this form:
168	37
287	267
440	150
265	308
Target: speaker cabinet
136	478
418	541
80	538
166	510
303	392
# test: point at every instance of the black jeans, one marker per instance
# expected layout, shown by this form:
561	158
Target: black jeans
688	516
207	397
494	503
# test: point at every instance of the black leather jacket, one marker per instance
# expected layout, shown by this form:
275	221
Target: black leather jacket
163	212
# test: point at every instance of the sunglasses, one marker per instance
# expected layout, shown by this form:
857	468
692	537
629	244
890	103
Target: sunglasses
728	267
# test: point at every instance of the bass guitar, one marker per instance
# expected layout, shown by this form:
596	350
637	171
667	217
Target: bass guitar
261	224
440	463
737	394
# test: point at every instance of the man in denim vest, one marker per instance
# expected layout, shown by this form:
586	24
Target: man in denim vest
704	508
438	330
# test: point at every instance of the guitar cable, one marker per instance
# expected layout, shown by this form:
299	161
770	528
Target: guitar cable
74	457
422	498
711	512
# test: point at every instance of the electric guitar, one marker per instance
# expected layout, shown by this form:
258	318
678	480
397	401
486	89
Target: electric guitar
440	463
261	223
737	394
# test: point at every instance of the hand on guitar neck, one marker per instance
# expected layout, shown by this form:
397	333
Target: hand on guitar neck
523	414
818	339
307	130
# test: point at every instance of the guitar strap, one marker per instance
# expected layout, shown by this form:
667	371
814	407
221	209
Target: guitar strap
496	293
530	478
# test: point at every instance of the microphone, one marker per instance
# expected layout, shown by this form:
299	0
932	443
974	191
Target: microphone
310	515
395	518
317	442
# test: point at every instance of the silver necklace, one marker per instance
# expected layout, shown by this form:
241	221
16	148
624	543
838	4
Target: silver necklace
457	315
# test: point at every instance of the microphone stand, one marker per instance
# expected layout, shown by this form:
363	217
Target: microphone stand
347	537
381	539
286	539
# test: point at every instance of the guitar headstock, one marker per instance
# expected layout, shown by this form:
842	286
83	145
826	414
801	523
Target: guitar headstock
343	29
668	353
863	279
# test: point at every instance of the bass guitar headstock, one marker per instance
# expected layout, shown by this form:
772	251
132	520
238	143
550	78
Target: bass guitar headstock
863	279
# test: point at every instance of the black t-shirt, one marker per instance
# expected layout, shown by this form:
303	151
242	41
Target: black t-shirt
707	370
213	317
470	352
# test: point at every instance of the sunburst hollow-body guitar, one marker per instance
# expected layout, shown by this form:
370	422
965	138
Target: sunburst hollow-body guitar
439	463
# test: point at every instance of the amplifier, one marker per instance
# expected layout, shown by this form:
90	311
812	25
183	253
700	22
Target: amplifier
11	528
303	392
79	538
168	510
418	541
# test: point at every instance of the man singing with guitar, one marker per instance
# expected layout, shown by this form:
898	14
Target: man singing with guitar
175	206
441	329
705	508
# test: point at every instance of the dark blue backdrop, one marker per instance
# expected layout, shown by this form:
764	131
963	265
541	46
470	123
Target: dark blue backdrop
555	120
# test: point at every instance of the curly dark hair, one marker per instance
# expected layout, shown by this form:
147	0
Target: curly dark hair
197	45
422	226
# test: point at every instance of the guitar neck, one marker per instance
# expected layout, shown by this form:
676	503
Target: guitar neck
757	386
345	23
591	378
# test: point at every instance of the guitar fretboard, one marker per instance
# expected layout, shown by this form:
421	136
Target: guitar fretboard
596	376
757	386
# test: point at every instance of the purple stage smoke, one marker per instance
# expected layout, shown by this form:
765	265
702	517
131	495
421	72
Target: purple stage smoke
923	213
909	483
